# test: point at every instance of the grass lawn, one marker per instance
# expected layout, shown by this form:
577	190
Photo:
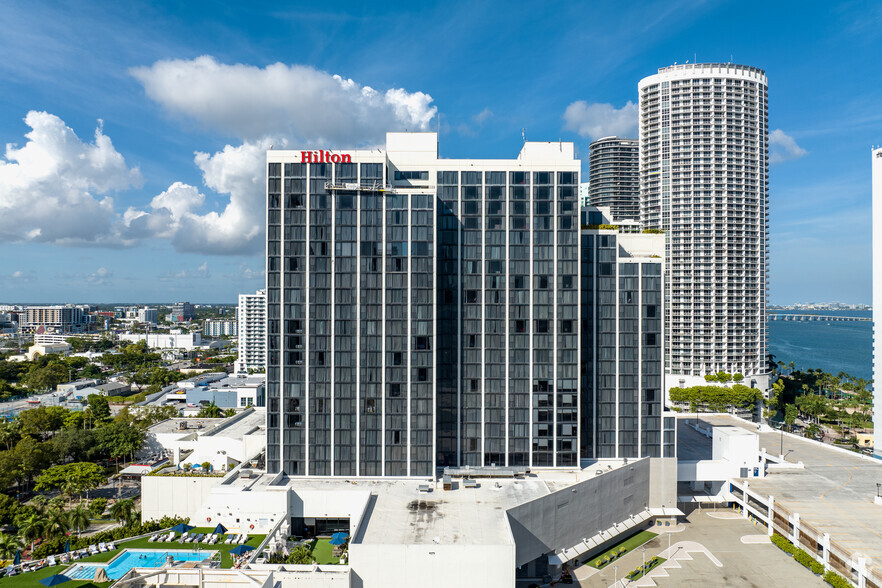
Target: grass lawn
32	579
628	544
322	552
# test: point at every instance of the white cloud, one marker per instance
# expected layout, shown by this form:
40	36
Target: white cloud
54	188
21	276
294	101
597	120
783	147
237	229
99	277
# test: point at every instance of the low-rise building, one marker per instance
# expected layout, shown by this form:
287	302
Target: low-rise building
172	340
47	349
238	391
220	328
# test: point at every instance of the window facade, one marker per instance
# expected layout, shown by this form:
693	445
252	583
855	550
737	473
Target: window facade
417	326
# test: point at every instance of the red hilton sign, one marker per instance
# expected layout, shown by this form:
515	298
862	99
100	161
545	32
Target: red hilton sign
324	157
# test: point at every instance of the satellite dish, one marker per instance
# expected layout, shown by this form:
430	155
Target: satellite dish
436	539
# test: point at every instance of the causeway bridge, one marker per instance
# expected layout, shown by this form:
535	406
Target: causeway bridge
787	316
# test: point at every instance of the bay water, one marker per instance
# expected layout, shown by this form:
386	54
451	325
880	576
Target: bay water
831	346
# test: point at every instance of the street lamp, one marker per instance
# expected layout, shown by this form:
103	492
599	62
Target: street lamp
878	490
643	549
615	575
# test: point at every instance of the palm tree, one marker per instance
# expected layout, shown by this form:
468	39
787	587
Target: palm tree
56	523
210	411
9	544
33	528
122	509
133	519
301	555
78	518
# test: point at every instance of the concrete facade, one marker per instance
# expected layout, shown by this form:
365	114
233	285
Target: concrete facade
877	293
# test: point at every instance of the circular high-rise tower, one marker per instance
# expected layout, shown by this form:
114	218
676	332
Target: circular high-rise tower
613	167
704	180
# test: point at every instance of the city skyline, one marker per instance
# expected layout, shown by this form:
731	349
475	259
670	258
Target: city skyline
168	204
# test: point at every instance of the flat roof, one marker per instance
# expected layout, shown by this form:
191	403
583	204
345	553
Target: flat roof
473	516
402	514
174	425
833	494
256	419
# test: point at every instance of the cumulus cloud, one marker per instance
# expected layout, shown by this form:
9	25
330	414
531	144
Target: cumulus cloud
99	277
295	101
56	187
597	120
237	229
783	147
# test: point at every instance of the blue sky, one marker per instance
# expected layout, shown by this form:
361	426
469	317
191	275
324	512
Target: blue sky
135	131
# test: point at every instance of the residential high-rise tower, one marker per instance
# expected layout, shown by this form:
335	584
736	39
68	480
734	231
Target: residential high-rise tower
704	181
613	177
251	316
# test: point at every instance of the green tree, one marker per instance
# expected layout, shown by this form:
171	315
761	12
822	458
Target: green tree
9	545
75	419
210	411
33	528
122	510
98	407
31	457
790	415
97	506
48	377
813	431
813	406
117	440
72	478
74	444
8	510
41	420
56	522
78	518
301	555
10	433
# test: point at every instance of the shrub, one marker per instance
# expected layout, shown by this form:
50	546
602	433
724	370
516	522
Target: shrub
836	580
783	544
717	397
817	567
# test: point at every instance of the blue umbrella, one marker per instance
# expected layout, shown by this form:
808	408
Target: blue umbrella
182	528
339	538
54	580
17	559
67	546
240	549
220	529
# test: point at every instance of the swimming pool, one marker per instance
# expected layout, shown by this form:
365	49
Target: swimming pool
141	558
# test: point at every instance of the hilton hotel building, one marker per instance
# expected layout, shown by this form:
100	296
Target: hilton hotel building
422	312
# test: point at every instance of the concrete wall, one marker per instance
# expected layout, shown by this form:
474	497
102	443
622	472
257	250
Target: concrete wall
432	566
174	495
561	519
226	398
323	504
663	474
236	509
